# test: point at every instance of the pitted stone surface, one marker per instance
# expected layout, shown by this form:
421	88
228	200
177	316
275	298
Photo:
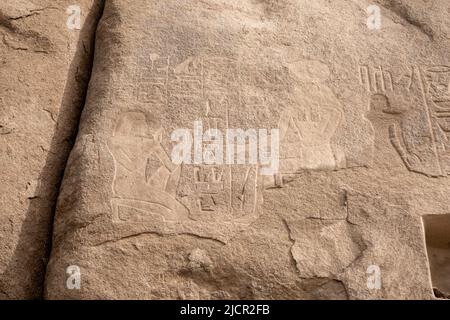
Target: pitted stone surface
364	151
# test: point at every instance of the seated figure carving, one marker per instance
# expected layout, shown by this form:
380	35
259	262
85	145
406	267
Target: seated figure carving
307	130
145	179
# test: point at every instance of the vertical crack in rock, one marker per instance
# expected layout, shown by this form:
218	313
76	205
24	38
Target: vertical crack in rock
28	218
292	240
80	81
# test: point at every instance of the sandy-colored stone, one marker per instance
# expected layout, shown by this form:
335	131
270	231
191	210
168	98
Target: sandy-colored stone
363	188
44	68
363	117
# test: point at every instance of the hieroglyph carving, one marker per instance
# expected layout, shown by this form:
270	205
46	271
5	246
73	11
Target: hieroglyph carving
418	100
219	192
146	182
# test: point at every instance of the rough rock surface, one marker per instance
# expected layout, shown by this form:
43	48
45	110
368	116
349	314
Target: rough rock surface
364	154
44	67
363	184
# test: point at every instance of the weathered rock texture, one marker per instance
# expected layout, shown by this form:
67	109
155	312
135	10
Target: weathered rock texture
364	120
44	68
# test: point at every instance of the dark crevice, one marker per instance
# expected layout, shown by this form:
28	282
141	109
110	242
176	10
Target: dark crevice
81	76
437	239
24	276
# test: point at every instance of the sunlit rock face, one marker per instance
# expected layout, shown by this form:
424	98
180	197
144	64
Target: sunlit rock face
254	149
45	64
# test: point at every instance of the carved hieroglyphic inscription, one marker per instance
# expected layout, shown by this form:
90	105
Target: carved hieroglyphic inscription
146	184
218	192
438	98
152	78
418	106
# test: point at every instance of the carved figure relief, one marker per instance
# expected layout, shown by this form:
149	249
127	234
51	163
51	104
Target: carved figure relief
145	178
418	110
306	129
147	185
